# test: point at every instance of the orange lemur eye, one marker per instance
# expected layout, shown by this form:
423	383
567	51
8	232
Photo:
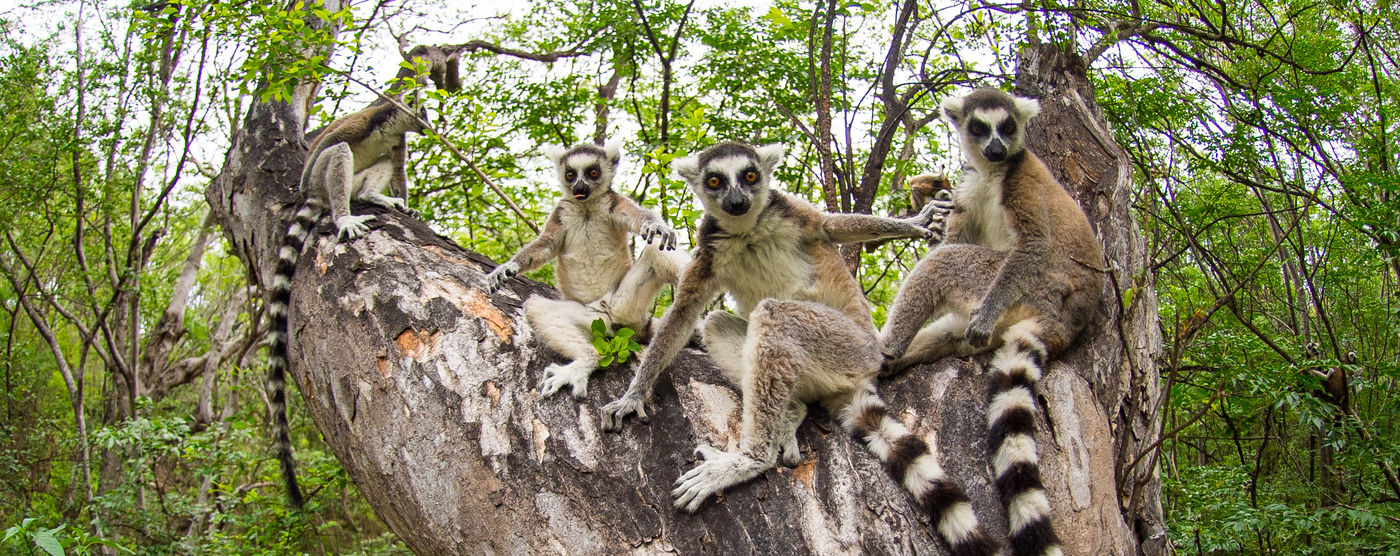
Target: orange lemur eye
593	173
713	182
570	175
751	176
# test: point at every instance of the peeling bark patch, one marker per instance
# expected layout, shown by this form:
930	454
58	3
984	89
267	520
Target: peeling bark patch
493	392
540	436
806	472
477	304
470	301
418	345
715	411
384	367
1069	432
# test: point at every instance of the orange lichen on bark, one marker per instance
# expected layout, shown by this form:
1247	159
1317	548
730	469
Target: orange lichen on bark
418	345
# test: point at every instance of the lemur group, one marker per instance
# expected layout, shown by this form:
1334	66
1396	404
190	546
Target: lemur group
1013	269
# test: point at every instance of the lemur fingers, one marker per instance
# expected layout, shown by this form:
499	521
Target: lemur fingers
658	230
618	411
497	277
558	376
351	227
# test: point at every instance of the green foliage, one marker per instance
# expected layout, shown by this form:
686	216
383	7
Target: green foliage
28	536
615	347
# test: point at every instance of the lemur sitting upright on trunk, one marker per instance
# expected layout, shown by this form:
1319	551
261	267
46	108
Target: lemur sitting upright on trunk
588	231
1018	271
803	334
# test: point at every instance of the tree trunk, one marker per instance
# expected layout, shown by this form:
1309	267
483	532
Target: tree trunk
425	388
1110	375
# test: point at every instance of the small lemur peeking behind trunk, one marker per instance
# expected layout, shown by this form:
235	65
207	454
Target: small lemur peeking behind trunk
588	231
1018	272
803	333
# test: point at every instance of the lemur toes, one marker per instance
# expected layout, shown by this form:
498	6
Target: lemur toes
790	455
556	377
719	471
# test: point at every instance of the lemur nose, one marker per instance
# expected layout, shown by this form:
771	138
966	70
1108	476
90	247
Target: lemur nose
995	151
735	204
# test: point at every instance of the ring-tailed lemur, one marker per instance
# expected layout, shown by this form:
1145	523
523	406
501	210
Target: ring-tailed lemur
926	188
588	231
1020	269
355	157
803	334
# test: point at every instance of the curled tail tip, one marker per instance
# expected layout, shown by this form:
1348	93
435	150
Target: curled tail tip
913	463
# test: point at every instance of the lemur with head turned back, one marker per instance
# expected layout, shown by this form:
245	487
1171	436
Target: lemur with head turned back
354	158
802	333
588	231
1018	271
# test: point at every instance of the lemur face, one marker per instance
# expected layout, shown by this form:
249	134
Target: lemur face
585	170
990	123
731	178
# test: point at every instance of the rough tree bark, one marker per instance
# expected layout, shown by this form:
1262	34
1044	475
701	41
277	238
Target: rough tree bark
425	388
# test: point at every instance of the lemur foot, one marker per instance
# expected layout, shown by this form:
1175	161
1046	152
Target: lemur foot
789	454
573	375
719	471
979	331
890	366
386	202
351	227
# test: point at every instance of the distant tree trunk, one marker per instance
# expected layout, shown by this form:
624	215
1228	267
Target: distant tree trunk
425	388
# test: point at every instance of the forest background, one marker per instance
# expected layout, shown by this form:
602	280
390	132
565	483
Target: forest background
1262	136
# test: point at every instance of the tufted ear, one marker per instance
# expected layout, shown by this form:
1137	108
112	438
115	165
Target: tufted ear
771	155
555	153
614	152
687	168
1027	108
953	109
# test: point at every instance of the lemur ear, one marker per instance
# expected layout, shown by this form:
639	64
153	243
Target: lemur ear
614	152
1027	108
687	168
952	109
555	153
771	155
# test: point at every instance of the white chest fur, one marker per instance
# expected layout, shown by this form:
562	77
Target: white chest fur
985	220
766	262
594	254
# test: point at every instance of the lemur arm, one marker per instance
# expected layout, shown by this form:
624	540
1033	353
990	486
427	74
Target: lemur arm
641	221
1027	260
856	228
533	255
398	182
697	289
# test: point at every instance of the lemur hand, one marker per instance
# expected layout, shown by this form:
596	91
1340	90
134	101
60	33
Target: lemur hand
934	215
499	276
979	331
629	404
658	229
